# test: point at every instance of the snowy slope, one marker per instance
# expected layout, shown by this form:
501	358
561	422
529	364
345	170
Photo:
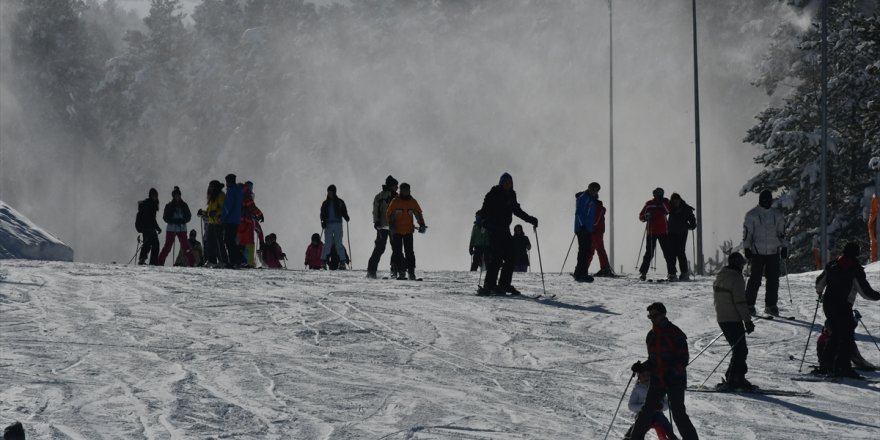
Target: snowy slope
94	351
21	238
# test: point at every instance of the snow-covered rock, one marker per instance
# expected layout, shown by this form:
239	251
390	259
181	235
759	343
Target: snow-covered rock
21	238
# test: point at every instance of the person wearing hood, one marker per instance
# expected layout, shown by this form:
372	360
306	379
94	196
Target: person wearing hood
656	231
314	251
380	223
763	245
230	217
146	224
499	207
400	220
838	285
584	221
681	221
176	215
333	212
215	251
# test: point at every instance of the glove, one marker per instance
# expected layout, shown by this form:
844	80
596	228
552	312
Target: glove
857	315
377	226
534	221
749	254
637	367
422	229
323	225
260	218
750	327
784	253
158	230
647	216
200	213
471	250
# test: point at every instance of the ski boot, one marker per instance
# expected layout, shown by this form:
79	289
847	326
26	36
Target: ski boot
672	277
684	277
483	291
401	275
771	310
372	275
511	290
643	277
411	275
753	311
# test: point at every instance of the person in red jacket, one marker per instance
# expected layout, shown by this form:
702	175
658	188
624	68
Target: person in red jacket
605	269
271	254
656	229
313	253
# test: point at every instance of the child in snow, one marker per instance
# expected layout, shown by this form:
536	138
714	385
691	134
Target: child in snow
400	221
660	423
313	253
271	253
479	244
521	248
195	249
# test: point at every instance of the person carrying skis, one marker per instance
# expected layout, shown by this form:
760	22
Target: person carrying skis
380	223
215	251
400	219
250	215
271	254
479	243
230	217
196	250
732	312
145	223
333	212
837	287
763	237
598	243
656	230
176	215
681	221
521	248
314	252
659	423
499	207
584	222
667	364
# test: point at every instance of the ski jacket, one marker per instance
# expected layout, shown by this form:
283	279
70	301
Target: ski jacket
313	255
272	255
499	207
400	215
479	237
667	354
338	207
681	219
215	209
521	248
599	225
656	211
231	214
249	209
763	230
146	216
176	215
380	207
839	283
584	212
730	296
639	395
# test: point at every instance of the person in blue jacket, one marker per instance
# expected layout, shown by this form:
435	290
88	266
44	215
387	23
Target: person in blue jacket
230	218
584	219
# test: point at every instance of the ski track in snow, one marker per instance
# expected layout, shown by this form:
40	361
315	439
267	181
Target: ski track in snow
93	351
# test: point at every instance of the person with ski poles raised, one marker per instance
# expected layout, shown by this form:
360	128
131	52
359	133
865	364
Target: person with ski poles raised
499	207
732	312
654	214
333	212
380	223
681	222
763	245
145	223
584	221
400	215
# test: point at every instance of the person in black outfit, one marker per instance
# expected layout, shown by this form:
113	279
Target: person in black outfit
837	286
146	224
380	223
333	212
499	207
681	220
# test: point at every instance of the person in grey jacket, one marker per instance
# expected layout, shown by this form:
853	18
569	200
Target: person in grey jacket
763	245
732	312
380	223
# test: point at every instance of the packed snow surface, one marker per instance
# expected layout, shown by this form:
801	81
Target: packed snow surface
117	352
21	238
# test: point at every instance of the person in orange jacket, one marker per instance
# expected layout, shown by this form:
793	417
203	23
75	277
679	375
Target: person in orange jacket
400	220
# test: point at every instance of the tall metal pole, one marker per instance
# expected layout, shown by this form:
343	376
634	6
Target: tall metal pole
823	217
699	263
611	132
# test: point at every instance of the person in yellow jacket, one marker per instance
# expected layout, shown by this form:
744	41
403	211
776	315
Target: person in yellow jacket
215	249
400	221
732	311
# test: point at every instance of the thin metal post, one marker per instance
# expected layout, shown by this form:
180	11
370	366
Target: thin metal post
611	208
823	216
699	262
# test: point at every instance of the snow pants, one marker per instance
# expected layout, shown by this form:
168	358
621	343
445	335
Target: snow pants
382	236
585	252
477	257
678	251
764	266
333	238
660	425
230	239
215	251
184	247
676	405
150	246
500	258
598	242
401	244
838	352
735	334
651	247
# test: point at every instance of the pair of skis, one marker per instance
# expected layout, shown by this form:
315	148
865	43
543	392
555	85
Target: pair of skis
758	391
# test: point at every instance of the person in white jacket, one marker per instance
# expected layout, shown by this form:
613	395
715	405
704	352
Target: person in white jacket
763	245
637	398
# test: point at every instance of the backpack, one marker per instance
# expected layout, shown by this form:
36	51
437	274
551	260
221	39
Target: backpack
139	219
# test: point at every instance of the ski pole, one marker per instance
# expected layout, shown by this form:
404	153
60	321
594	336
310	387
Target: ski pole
136	249
706	348
348	237
785	266
642	243
722	359
540	263
618	405
810	334
654	252
566	254
859	317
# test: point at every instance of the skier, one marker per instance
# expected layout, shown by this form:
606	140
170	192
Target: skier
859	362
400	219
230	217
380	223
250	215
271	254
176	215
654	215
681	221
521	248
659	423
499	207
195	249
667	364
837	286
145	223
763	237
314	252
479	243
732	311
333	212
598	242
215	252
584	221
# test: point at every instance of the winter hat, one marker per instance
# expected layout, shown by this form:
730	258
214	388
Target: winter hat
505	176
216	184
153	192
390	181
176	191
676	196
316	237
192	233
658	192
736	260
331	188
851	250
404	186
230	179
765	195
594	185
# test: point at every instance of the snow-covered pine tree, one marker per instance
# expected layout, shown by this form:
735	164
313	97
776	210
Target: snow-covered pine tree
789	134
